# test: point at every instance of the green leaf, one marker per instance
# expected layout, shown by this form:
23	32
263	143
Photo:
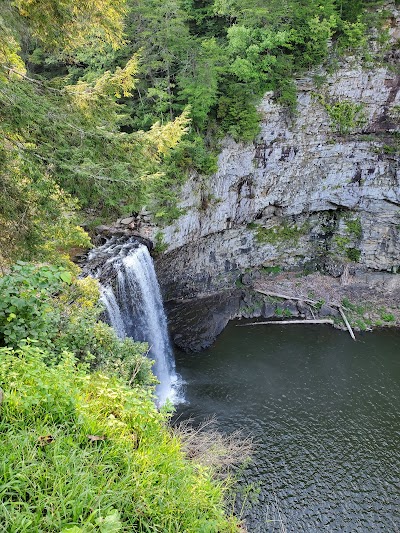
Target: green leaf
67	277
110	524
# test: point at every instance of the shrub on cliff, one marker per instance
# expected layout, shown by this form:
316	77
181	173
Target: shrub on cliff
58	311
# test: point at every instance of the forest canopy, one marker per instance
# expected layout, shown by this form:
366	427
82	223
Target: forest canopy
107	106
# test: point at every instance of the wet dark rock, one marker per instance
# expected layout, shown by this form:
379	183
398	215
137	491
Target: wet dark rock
289	307
327	310
195	323
304	310
268	310
249	277
246	279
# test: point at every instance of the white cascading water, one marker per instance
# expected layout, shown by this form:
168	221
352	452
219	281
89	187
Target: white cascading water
134	305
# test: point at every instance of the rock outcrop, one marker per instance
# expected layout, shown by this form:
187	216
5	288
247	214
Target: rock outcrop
312	191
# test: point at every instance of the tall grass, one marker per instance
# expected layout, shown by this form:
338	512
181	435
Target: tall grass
82	453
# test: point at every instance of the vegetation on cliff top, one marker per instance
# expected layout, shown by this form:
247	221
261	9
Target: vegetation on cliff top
83	446
81	452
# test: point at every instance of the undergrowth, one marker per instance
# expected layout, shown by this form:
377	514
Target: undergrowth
83	447
82	452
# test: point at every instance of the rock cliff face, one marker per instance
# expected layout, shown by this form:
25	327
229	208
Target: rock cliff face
311	191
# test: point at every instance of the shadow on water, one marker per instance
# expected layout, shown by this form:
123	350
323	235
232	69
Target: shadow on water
324	412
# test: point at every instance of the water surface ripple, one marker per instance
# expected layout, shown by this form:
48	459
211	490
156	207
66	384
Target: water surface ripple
324	412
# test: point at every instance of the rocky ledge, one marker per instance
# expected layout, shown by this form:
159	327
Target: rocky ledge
313	195
369	300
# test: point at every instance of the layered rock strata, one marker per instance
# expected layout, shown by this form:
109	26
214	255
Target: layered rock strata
310	192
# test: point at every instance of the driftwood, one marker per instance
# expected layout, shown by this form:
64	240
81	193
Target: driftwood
321	321
347	323
308	301
286	297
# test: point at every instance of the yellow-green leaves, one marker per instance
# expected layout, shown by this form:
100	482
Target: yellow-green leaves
10	60
136	479
89	96
66	23
164	137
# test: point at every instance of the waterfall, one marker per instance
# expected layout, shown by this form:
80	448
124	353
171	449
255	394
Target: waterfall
132	298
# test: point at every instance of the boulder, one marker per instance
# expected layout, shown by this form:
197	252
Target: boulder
127	221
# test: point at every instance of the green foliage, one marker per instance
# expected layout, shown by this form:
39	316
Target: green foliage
49	306
99	117
387	317
347	304
358	309
64	143
341	242
159	244
345	244
36	217
163	192
346	116
360	324
82	452
237	113
354	227
280	234
366	314
78	329
56	22
353	35
24	306
390	149
276	269
353	254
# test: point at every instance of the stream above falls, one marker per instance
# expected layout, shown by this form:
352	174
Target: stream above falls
324	414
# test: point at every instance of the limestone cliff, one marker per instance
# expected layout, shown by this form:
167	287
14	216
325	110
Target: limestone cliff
312	190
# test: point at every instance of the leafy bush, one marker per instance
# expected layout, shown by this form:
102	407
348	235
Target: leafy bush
353	254
238	115
279	234
346	116
354	227
48	305
353	35
25	309
387	317
276	269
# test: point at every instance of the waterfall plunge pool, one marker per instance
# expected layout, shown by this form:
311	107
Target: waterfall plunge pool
324	414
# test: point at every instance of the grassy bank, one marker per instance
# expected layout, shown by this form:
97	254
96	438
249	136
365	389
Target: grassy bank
82	452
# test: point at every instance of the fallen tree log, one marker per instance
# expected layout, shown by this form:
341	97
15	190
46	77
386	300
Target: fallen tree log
310	302
347	323
320	321
286	297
